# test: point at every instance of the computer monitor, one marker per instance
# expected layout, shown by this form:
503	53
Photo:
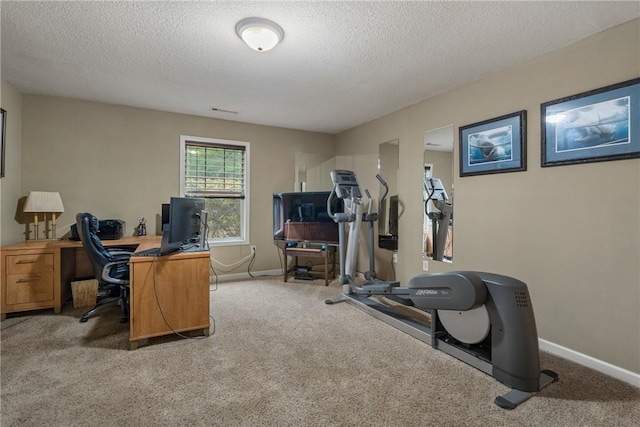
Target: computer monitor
165	214
184	219
393	215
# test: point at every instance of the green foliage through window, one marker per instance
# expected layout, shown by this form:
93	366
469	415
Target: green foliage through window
217	172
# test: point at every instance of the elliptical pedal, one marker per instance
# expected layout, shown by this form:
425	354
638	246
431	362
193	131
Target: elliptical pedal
380	286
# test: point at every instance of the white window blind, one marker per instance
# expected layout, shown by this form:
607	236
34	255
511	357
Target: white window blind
214	170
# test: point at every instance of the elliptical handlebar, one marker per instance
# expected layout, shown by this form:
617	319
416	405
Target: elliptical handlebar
333	192
366	190
386	191
429	190
433	187
338	216
428	193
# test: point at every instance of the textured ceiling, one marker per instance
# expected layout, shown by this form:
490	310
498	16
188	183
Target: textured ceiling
341	64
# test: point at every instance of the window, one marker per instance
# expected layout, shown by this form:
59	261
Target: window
218	171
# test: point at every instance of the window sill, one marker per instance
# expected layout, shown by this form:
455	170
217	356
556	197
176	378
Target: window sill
230	242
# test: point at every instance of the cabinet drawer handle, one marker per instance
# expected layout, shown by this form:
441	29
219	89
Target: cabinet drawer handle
29	279
26	261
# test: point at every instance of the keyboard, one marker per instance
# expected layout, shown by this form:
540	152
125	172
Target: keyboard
148	252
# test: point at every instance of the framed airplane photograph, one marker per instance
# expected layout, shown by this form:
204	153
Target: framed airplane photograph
494	146
594	126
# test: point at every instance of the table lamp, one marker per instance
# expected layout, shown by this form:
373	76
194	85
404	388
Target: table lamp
45	202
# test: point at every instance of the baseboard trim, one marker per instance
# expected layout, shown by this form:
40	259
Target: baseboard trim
590	362
555	349
244	276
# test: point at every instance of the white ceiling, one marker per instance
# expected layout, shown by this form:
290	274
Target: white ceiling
341	64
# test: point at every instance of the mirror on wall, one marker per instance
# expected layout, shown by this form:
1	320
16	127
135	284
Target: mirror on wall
312	171
438	214
388	163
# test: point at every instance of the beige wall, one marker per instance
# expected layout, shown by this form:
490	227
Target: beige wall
10	185
572	233
579	256
120	162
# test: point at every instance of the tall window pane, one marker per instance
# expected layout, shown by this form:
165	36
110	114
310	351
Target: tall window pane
217	171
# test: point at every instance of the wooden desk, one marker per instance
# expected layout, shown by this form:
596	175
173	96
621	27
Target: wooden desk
38	275
311	253
168	294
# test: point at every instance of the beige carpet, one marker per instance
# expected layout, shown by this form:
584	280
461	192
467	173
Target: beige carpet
279	357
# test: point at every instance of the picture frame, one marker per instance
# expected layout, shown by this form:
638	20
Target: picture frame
494	146
594	126
3	134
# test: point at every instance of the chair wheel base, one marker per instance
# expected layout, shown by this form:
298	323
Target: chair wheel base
84	320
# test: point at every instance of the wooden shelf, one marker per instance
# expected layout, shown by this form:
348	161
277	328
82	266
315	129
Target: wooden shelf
325	253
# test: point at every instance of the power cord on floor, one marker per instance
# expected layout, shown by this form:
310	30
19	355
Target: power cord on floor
234	265
253	259
227	267
261	275
17	323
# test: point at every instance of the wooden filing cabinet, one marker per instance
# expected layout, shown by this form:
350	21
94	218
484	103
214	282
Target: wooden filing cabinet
30	278
169	294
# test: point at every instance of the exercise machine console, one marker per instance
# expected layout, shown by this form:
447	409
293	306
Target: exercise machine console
483	319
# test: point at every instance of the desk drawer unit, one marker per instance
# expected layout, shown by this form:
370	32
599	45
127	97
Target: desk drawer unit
27	288
29	281
29	264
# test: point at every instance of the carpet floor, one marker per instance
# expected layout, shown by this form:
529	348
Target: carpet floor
277	356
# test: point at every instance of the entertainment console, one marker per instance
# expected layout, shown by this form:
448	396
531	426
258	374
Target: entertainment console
303	217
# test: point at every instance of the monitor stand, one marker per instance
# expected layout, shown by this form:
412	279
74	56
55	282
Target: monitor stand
204	216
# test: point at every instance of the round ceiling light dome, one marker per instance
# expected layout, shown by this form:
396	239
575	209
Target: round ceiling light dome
259	34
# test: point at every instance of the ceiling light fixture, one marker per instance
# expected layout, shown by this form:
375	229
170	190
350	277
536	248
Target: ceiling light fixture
259	34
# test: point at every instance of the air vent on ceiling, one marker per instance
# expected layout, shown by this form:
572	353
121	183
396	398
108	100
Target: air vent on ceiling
222	110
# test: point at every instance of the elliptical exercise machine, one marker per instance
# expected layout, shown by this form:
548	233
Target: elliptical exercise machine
370	218
483	319
434	191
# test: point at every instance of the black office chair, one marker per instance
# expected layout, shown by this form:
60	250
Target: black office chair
110	267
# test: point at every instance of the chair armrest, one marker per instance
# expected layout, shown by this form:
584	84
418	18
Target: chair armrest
114	249
107	269
121	254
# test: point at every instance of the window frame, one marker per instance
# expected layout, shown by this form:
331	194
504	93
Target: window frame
244	238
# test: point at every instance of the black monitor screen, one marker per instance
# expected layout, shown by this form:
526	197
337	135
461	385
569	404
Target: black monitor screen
393	215
184	218
165	214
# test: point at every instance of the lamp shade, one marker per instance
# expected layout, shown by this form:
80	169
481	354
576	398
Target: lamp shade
43	201
259	34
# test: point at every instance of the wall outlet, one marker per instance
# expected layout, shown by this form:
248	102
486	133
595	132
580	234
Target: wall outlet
394	258
425	265
253	249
